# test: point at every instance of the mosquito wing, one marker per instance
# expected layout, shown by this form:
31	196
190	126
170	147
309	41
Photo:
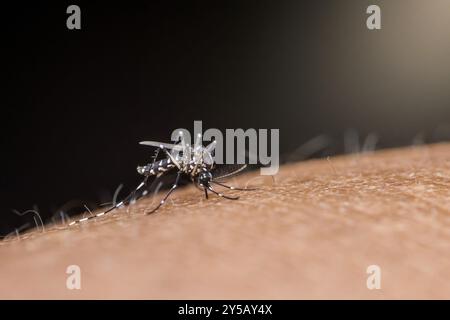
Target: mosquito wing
157	144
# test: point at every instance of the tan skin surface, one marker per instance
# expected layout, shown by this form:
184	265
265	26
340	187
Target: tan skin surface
311	234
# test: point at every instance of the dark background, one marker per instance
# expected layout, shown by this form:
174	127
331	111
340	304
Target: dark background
75	103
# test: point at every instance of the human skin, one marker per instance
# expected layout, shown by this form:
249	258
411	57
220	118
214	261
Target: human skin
310	233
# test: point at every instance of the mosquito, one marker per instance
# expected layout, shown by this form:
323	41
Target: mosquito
193	162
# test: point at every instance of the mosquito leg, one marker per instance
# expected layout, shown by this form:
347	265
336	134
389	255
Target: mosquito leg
118	205
220	194
131	197
174	186
156	155
206	192
233	188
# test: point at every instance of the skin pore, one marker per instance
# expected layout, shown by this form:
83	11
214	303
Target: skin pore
310	233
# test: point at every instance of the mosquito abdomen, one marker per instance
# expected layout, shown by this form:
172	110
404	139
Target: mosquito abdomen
152	169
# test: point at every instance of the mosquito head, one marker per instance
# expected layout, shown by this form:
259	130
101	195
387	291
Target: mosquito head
204	178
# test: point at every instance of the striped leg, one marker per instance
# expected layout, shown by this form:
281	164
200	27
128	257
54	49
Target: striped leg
118	205
174	186
233	188
221	194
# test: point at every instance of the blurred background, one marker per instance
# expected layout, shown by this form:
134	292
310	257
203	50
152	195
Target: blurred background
75	103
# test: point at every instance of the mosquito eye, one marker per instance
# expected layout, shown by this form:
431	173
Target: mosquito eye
204	178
